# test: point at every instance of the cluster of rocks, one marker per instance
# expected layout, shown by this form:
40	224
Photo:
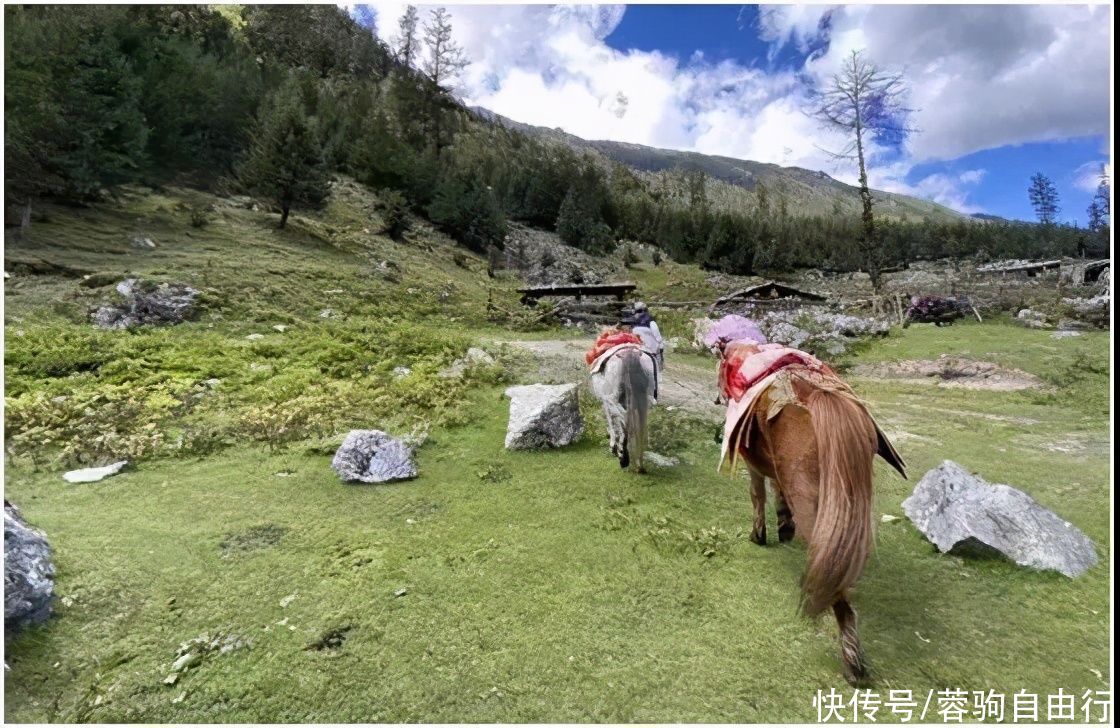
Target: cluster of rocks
1079	314
545	260
192	652
147	303
28	572
961	512
811	328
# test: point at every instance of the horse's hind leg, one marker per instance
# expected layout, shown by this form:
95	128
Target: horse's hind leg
851	653
786	528
612	431
758	500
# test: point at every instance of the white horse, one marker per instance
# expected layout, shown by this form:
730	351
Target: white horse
626	384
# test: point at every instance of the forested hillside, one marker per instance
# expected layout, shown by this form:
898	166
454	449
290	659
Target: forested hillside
741	183
275	100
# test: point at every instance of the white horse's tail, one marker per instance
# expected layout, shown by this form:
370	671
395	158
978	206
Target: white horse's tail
634	398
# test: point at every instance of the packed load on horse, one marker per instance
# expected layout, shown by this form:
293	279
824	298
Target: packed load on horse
937	310
624	378
732	327
794	421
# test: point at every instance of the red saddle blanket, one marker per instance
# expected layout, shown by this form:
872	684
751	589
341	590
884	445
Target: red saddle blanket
745	364
608	340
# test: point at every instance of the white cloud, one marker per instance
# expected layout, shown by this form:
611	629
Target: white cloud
1088	176
982	76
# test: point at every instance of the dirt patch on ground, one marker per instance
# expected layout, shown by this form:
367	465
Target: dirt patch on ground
949	371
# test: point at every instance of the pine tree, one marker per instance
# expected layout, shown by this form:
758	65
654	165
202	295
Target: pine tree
445	61
285	161
72	96
466	210
1044	198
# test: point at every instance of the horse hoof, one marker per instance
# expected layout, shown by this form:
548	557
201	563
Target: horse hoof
624	459
786	533
857	677
758	537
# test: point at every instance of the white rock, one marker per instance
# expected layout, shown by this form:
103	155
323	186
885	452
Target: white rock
254	337
662	461
542	415
474	357
92	475
955	508
373	456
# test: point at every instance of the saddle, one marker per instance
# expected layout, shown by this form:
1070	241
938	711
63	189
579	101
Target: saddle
760	380
603	356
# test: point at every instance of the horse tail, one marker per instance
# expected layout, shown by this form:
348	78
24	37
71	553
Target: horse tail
843	534
636	385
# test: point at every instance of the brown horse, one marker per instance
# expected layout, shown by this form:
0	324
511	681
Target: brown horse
798	424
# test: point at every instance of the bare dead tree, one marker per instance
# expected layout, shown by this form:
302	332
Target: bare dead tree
446	59
865	103
406	46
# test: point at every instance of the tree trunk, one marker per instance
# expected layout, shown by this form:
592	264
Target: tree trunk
25	220
284	210
870	248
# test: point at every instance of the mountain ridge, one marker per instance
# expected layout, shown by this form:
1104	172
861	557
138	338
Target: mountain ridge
810	191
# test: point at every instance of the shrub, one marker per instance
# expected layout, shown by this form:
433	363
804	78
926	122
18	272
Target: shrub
395	214
467	211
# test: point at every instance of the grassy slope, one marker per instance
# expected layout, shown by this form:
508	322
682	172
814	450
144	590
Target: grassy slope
555	588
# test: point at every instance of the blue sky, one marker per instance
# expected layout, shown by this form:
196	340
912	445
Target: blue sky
1000	92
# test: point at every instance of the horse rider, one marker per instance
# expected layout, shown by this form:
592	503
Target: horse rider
643	325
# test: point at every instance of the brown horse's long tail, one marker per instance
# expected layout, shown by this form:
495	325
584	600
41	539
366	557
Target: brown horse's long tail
843	533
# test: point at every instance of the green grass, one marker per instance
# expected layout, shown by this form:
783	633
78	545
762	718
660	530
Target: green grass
537	586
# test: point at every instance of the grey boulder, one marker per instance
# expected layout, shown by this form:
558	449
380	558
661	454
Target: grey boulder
955	508
146	302
373	456
28	572
543	415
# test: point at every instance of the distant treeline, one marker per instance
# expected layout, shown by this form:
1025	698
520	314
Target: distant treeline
272	100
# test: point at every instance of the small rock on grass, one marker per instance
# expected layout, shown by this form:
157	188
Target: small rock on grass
92	475
373	456
662	461
888	518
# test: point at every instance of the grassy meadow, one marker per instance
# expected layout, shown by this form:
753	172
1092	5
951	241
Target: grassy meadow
497	586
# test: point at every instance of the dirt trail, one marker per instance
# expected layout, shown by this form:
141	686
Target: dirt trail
682	386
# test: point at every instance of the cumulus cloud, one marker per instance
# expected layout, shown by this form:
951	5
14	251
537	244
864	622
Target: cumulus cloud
981	77
1088	176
